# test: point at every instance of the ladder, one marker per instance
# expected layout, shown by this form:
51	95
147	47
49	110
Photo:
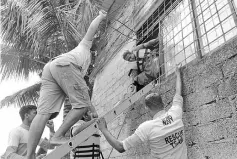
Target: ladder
62	150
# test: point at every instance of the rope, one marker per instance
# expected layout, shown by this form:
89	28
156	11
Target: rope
117	136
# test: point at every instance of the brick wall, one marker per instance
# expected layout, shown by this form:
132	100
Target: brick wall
111	83
210	101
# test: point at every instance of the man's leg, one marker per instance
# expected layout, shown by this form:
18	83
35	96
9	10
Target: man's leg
36	129
74	85
72	117
50	102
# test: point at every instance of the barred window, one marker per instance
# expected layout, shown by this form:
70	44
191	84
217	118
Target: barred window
188	29
178	36
216	22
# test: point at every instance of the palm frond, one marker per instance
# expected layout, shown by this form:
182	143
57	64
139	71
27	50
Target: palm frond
23	97
50	17
13	22
36	31
17	63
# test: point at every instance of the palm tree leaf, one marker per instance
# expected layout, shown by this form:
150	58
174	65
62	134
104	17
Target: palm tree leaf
17	63
14	19
38	30
23	97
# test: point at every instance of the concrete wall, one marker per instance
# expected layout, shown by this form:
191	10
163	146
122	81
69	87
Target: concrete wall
111	84
210	102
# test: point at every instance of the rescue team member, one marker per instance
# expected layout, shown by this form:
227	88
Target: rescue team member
165	132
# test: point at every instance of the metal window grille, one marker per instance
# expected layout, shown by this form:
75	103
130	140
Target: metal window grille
188	29
216	22
178	43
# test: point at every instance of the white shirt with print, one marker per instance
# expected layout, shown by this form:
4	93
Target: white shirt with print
165	133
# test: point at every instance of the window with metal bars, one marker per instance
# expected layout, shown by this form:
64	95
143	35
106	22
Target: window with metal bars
216	21
188	29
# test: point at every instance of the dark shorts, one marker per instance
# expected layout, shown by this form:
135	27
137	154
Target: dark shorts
62	78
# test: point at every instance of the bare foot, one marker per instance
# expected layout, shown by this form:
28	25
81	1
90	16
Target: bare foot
57	141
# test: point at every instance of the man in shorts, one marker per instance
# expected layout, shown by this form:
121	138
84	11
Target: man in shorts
61	77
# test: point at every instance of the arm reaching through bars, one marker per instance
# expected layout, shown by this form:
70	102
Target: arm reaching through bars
146	45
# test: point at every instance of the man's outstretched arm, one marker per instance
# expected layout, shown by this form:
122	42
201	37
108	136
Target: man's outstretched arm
94	26
118	145
178	81
146	45
177	105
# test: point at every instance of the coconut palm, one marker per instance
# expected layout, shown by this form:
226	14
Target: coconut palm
33	32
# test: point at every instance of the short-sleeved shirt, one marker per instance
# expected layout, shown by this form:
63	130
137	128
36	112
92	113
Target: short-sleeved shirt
18	137
165	133
80	55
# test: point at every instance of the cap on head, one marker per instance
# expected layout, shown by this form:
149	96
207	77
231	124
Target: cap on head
154	101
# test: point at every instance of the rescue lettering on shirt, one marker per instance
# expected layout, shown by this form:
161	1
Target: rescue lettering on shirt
167	120
175	139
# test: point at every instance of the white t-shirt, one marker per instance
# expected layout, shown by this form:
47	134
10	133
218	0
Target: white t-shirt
165	133
80	55
18	137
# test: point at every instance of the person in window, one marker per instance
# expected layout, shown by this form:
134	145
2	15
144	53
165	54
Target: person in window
90	147
165	132
147	67
17	140
64	76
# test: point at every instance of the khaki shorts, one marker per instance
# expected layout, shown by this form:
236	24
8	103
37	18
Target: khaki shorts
62	78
